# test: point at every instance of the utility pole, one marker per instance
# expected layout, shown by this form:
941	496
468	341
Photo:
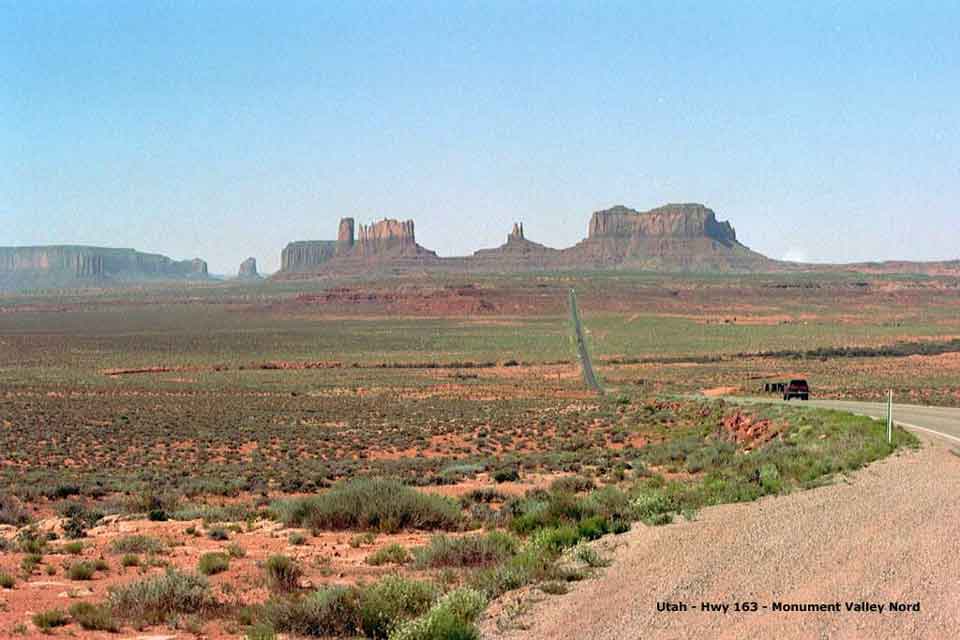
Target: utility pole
890	416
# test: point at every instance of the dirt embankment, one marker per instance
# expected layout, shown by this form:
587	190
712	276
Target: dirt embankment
887	534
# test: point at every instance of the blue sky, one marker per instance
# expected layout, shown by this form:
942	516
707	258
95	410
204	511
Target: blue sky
823	131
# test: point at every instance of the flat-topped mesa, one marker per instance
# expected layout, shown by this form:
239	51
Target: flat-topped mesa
672	220
67	265
388	238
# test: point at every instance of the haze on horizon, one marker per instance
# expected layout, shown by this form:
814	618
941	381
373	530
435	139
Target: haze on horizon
823	131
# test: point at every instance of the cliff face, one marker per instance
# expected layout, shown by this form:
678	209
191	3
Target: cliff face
306	255
67	265
673	220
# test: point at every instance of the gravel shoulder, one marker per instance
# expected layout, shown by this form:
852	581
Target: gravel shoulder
886	533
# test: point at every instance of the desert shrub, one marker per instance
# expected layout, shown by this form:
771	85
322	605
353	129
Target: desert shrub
81	571
79	518
11	512
156	599
371	504
130	560
297	539
390	554
30	562
770	478
30	541
46	620
334	611
137	544
93	617
531	565
509	474
385	604
73	548
451	618
482	496
466	551
218	533
710	456
213	563
362	538
556	539
101	565
155	505
283	573
234	550
555	587
572	484
7	581
589	556
260	631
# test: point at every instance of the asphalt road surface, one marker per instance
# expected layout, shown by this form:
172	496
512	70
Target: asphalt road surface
943	422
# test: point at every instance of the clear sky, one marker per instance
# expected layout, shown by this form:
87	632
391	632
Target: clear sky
822	130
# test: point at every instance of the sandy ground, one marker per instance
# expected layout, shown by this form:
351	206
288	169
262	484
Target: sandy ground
887	533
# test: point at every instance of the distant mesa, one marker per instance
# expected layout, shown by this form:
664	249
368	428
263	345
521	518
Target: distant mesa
248	270
73	265
674	237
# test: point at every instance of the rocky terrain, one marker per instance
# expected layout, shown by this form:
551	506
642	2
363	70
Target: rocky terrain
64	265
684	237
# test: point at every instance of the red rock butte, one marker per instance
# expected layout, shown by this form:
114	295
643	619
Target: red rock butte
675	237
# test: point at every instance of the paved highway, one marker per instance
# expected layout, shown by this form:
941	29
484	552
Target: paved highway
940	421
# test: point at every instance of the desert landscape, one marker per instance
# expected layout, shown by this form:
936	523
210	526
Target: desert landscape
344	456
479	320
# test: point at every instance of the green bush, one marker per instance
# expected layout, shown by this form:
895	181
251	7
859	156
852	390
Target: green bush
770	478
334	611
73	548
372	505
46	620
213	563
156	599
466	551
391	601
7	581
297	539
283	573
81	571
451	618
391	554
93	617
130	560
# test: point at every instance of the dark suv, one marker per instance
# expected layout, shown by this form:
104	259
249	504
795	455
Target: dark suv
797	389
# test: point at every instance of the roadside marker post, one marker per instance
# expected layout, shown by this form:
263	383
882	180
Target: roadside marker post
890	417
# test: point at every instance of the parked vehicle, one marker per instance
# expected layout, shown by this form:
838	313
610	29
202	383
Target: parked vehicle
797	389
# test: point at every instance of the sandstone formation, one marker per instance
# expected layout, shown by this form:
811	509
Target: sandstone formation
248	270
64	265
672	237
378	243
